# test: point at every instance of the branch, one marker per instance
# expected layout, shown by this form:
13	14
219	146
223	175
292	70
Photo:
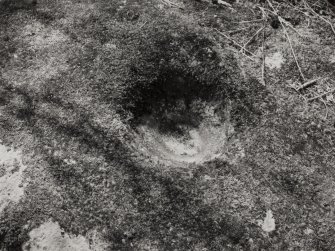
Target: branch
308	83
321	95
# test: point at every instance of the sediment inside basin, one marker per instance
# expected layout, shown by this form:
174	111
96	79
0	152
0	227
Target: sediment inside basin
182	122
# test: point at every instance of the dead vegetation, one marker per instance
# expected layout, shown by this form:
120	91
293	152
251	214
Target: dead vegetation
272	18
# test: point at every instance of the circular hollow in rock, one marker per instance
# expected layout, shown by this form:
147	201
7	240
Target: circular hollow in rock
179	120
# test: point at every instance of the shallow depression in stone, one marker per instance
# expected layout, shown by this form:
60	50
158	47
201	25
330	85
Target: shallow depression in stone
182	122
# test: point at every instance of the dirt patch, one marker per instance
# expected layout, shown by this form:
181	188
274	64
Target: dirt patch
274	61
268	224
11	187
49	236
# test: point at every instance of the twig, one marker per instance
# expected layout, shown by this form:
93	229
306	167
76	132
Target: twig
263	57
288	39
274	12
307	84
168	2
263	47
246	22
233	31
224	3
321	95
140	27
306	103
322	18
324	102
295	57
249	41
232	40
291	26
